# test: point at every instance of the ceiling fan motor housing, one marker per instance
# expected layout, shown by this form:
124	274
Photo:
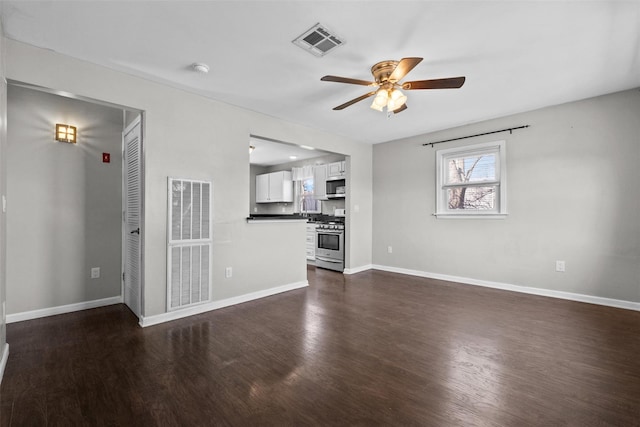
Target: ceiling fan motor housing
382	70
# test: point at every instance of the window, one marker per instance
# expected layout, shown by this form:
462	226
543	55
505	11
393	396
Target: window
471	181
305	202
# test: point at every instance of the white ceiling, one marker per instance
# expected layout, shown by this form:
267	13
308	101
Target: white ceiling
270	153
516	55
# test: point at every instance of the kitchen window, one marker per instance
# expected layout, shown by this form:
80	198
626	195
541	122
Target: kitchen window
303	181
471	181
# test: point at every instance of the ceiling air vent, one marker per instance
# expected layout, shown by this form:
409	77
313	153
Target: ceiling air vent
318	40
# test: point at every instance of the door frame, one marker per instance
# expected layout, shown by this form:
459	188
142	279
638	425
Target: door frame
125	130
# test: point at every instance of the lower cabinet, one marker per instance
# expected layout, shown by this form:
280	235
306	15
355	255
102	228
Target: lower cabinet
311	242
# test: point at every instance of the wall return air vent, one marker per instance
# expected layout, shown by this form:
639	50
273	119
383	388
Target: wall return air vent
318	40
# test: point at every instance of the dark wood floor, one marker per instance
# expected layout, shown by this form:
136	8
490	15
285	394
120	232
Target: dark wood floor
373	348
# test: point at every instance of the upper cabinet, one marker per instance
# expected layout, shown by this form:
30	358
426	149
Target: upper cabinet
274	187
320	182
336	170
262	188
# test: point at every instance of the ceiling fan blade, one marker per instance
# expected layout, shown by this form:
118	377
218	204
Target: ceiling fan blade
450	83
402	69
353	101
347	80
400	109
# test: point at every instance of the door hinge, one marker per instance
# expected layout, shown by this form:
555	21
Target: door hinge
123	277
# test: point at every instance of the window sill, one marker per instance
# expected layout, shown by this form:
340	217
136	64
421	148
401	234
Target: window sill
447	215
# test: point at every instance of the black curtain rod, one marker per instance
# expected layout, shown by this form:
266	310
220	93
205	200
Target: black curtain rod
472	136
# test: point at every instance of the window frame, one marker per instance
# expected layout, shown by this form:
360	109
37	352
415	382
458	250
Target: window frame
299	195
442	156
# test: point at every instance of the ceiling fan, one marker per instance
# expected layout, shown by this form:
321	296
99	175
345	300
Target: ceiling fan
387	76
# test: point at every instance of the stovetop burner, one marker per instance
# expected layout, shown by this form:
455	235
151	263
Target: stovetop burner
331	226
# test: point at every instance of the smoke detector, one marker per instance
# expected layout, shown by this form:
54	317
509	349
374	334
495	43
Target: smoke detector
318	40
200	68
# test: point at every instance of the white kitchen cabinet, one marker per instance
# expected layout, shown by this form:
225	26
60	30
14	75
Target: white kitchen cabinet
262	188
336	169
274	187
311	242
320	182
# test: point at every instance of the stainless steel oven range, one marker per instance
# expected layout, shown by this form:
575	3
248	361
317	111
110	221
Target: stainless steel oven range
330	246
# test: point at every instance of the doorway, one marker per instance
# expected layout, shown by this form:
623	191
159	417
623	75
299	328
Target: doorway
64	215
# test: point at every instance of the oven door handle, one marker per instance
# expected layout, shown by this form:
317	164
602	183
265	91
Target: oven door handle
335	261
330	232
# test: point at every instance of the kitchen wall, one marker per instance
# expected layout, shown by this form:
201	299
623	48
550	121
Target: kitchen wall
328	206
572	191
190	136
4	349
66	204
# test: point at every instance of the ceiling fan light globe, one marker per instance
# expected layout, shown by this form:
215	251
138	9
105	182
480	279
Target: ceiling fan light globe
376	107
396	100
396	94
381	98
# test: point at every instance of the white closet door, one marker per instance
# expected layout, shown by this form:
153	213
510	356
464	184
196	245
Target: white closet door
132	215
189	243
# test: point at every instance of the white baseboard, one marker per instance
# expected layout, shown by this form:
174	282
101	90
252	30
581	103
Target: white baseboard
3	360
215	305
358	269
62	309
629	305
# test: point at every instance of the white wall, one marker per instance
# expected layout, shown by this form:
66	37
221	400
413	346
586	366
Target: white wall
194	137
573	195
3	176
66	204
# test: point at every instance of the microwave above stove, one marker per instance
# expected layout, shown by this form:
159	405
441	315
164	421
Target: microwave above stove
336	188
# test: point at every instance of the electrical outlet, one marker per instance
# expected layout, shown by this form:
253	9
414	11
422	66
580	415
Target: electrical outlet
389	250
228	272
560	266
95	272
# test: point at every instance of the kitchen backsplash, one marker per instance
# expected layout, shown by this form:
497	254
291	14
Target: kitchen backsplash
328	207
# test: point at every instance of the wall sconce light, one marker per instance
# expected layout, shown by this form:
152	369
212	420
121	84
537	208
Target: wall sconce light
66	133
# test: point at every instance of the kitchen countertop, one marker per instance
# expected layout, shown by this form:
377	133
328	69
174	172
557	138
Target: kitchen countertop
277	218
315	219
